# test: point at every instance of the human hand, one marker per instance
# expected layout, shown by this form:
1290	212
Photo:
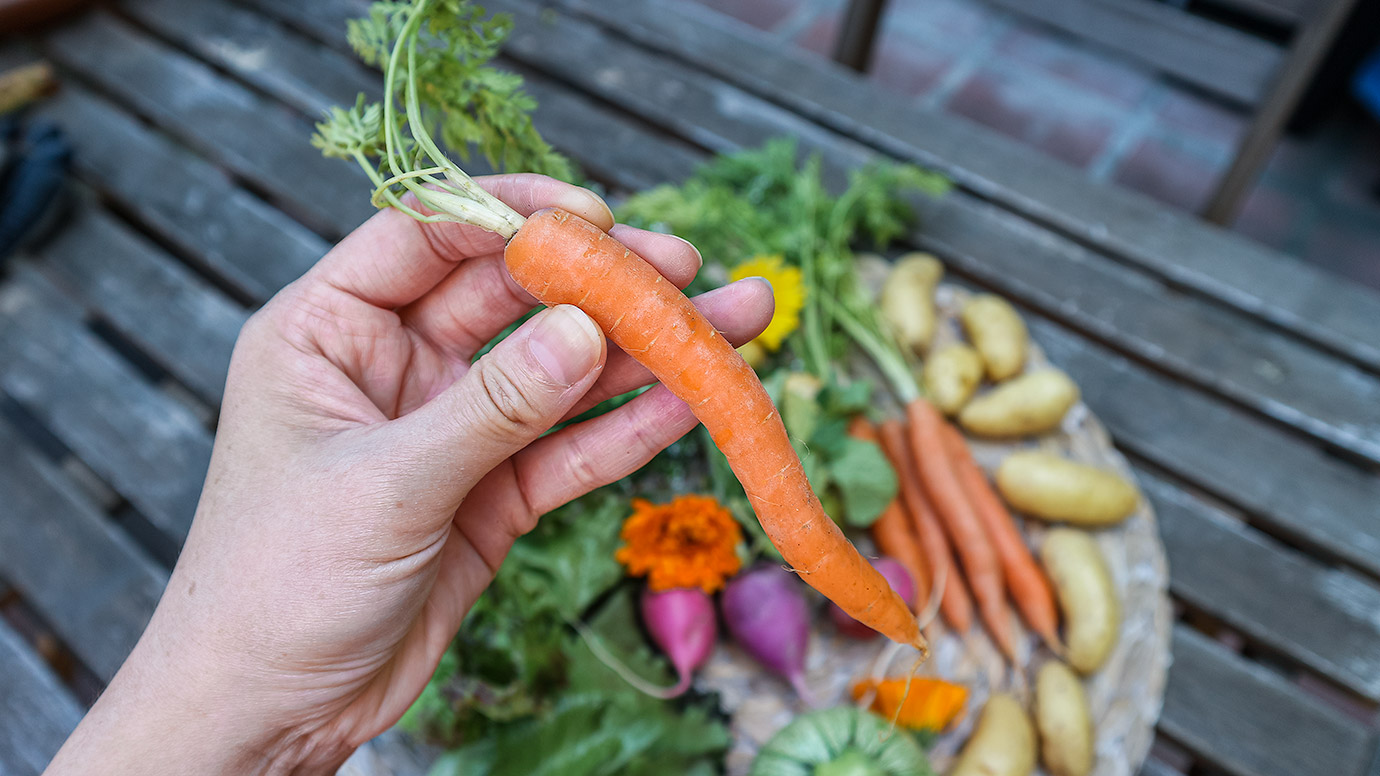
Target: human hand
366	483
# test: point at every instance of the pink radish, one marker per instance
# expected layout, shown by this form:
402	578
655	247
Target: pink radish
900	581
767	614
681	622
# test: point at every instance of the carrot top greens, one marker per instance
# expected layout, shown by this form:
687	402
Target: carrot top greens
438	83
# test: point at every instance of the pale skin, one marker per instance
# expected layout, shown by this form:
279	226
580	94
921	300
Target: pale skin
366	483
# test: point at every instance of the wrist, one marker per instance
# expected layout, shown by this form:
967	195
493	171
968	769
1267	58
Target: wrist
171	710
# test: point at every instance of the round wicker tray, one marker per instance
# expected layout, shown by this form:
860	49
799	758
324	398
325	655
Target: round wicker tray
1125	696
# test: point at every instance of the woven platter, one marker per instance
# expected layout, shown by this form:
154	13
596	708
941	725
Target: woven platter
1125	695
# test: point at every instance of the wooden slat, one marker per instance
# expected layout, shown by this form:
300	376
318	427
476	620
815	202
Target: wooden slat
175	318
1156	768
1295	489
1321	616
83	575
301	73
226	122
1285	12
1200	439
1342	316
1203	53
151	449
36	711
1213	347
310	81
1251	722
249	245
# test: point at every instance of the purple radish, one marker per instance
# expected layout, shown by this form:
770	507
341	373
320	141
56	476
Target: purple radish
900	581
767	614
681	621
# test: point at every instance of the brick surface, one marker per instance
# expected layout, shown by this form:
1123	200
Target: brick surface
1270	216
1037	112
1350	250
1077	65
907	68
1169	174
951	24
762	14
820	35
1201	119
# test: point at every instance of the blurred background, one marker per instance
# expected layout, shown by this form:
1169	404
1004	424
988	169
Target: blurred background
1158	97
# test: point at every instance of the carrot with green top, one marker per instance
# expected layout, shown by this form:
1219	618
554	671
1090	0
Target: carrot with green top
1025	581
954	601
970	540
893	532
560	258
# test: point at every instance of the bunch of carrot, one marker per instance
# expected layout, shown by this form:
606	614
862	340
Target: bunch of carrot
949	528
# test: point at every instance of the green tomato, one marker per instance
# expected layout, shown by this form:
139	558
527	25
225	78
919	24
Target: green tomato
841	742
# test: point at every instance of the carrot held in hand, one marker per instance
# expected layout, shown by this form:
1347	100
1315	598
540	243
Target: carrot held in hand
562	259
1026	582
956	513
954	602
893	532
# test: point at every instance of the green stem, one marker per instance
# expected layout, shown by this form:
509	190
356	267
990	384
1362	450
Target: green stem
893	366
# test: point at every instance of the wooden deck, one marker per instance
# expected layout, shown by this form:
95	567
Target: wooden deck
1243	385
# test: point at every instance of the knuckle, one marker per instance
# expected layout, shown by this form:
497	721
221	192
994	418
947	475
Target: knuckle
509	407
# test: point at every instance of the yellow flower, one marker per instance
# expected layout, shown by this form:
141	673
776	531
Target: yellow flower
690	542
789	288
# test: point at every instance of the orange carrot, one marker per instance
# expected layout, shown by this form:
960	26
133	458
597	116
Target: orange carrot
562	259
892	531
1025	581
954	602
965	530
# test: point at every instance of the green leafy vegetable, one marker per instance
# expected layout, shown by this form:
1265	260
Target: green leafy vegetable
435	55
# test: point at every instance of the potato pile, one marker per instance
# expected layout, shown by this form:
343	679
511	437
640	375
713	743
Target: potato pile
984	384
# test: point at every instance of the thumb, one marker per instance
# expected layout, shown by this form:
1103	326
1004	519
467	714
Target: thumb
512	395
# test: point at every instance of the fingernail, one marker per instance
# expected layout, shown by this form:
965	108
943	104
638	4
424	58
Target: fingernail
763	280
699	257
585	204
566	343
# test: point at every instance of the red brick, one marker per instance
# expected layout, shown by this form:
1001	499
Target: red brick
952	24
1075	64
1037	113
1352	251
1269	216
1168	174
762	14
906	68
820	36
1202	119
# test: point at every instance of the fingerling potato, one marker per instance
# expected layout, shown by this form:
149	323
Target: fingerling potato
1003	744
952	373
1030	404
1056	489
997	331
908	300
1063	721
1083	586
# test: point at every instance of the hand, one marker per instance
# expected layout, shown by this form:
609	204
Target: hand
367	481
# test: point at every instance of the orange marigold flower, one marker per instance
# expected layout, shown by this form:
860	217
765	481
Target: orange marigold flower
690	542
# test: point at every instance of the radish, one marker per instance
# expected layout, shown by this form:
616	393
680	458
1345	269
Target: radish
767	614
900	581
681	621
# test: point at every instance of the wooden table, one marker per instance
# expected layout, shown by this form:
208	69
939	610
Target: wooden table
1244	386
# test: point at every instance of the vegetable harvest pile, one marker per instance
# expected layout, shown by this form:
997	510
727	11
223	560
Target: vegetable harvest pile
831	427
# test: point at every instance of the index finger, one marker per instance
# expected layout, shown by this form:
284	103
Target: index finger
393	259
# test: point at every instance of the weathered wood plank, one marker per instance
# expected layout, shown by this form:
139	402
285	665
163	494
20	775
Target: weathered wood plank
228	123
1321	616
1294	488
297	71
311	80
248	244
1342	316
1206	54
36	711
1251	722
83	575
148	447
1211	346
175	318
